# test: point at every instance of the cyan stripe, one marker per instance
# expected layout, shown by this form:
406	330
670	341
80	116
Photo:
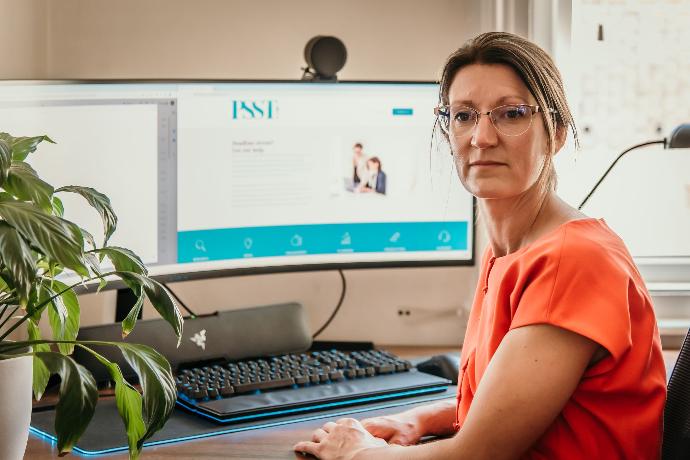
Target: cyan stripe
286	240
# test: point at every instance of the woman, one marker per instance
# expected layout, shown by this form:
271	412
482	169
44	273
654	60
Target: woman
562	357
377	178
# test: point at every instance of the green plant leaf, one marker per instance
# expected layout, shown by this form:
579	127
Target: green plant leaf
157	384
54	237
4	287
57	312
78	391
78	395
100	203
23	146
123	259
24	183
63	314
58	207
5	160
93	263
88	238
131	319
129	404
41	372
160	298
51	269
16	255
38	301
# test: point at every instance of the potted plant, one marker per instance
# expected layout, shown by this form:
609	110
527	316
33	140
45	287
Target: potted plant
36	245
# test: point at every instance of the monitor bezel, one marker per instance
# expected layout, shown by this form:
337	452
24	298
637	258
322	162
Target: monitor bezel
269	269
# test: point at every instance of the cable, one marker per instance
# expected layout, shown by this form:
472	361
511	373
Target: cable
182	304
337	307
614	164
307	74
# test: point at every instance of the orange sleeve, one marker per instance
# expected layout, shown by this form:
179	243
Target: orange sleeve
580	287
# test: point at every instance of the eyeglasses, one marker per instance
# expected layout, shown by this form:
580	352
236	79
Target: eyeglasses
509	120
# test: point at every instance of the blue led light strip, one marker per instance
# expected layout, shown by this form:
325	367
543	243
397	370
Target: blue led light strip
354	410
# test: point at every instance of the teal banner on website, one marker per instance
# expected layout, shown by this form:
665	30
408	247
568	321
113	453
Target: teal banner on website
291	240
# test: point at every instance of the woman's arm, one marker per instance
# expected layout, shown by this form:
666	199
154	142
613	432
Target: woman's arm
530	378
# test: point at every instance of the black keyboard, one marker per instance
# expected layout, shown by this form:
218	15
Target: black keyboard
239	391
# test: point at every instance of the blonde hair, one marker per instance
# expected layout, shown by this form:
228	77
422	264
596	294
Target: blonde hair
536	69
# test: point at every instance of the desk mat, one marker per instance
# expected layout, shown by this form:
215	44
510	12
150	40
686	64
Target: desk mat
106	432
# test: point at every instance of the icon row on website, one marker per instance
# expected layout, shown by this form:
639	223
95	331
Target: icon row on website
297	241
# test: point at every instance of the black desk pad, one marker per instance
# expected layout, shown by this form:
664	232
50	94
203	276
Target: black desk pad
106	432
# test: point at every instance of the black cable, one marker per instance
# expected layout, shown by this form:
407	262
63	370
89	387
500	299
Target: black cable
182	304
614	164
307	74
337	307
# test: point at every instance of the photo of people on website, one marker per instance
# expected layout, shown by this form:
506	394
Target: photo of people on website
366	174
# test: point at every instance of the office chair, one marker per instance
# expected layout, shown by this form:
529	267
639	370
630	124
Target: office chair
676	443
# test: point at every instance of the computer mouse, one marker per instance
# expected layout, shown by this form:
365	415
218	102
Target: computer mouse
445	366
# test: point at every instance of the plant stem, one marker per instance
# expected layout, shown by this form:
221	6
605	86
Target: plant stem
40	306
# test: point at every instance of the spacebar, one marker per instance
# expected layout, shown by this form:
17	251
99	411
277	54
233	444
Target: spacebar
247	387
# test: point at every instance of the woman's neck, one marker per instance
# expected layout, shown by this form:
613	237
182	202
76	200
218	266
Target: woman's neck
514	223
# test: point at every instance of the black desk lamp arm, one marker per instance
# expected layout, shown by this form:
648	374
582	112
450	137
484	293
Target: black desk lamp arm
644	144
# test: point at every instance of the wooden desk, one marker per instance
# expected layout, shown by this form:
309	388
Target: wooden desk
272	443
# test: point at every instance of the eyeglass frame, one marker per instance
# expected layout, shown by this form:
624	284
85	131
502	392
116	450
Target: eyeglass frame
534	109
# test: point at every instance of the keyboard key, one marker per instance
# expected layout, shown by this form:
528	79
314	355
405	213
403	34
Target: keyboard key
247	387
336	376
385	369
199	393
301	379
227	391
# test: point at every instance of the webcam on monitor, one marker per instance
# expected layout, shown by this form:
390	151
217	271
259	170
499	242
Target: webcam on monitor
325	56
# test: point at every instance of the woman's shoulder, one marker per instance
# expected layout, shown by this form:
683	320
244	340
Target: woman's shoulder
592	237
583	243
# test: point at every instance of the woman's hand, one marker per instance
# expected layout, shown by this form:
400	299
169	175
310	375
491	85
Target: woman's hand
342	440
403	428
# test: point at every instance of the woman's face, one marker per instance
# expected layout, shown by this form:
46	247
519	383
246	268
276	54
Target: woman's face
490	164
373	166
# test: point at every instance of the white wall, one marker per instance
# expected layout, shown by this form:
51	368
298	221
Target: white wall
236	39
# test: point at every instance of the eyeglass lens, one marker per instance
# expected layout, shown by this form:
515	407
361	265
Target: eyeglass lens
510	120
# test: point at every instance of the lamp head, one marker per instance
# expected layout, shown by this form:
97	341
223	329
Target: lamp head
679	138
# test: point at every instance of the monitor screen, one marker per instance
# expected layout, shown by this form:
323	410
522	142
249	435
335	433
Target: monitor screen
213	177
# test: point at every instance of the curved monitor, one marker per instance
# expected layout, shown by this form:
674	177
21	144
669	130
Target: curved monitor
213	178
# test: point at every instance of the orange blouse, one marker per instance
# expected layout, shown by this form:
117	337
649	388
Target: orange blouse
579	277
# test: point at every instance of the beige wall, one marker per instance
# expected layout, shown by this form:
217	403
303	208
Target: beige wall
386	39
23	32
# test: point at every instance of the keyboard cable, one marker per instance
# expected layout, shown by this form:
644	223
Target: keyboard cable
337	307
